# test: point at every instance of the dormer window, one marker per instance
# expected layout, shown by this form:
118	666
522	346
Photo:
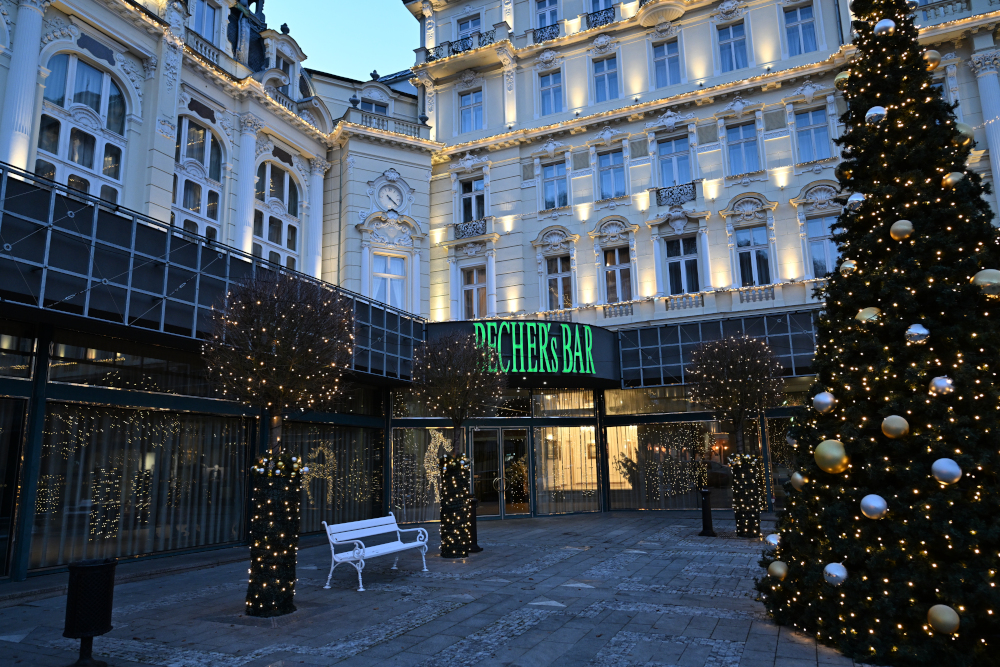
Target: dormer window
469	26
205	19
285	67
373	107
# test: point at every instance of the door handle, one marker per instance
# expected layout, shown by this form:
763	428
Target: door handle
496	484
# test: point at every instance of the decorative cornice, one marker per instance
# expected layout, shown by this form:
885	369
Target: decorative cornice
987	62
250	124
319	166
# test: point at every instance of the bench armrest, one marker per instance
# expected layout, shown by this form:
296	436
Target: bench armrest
359	547
421	533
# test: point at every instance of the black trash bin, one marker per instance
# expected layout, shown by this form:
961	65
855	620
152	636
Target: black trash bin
88	604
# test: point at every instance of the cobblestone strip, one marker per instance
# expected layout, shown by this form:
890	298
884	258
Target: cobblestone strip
611	568
595	609
120	613
632	586
720	570
616	653
479	646
150	654
529	568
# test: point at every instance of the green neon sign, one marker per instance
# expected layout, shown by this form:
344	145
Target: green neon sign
539	347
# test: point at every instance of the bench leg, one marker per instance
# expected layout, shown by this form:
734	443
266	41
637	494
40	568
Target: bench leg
394	562
423	556
329	576
360	566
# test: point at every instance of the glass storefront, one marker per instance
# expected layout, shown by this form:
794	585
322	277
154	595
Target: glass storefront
566	470
118	482
11	412
416	472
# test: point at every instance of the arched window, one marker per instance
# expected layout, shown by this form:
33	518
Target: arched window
81	136
276	218
197	179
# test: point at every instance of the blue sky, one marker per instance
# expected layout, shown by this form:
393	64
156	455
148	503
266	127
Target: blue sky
349	37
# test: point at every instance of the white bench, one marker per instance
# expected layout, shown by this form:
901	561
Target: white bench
351	534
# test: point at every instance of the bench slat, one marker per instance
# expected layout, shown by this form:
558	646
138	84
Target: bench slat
354	529
380	550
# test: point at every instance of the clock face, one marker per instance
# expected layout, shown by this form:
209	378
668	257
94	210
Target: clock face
390	197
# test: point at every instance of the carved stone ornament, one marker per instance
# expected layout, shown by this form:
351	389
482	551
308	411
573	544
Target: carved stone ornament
677	219
551	145
607	134
468	161
614	231
822	197
669	120
509	66
375	94
473	249
166	128
135	76
739	105
556	241
808	90
250	124
730	10
391	175
468	78
548	59
603	44
390	230
264	145
56	28
987	62
664	30
749	209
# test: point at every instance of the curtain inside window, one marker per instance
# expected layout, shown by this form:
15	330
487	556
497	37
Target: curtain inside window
89	83
565	470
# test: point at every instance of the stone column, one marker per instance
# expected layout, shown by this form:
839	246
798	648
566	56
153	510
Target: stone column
491	283
415	283
250	125
661	287
366	269
703	257
313	256
985	65
506	56
454	288
22	80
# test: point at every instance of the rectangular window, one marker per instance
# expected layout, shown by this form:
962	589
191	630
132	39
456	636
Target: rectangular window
667	64
258	225
78	183
822	249
212	209
277	186
474	292
813	135
112	161
81	148
560	279
606	79
374	108
612	173
473	200
751	244
675	161
204	20
598	5
742	143
89	86
192	197
285	67
471	111
291	237
550	86
274	230
389	279
682	265
197	137
48	134
554	179
547	12
274	257
468	26
800	29
618	274
733	47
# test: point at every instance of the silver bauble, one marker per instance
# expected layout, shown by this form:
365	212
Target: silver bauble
835	574
874	506
895	426
824	402
917	333
953	179
946	471
778	569
772	541
943	618
885	28
941	386
869	314
848	267
901	230
988	281
855	201
799	481
875	115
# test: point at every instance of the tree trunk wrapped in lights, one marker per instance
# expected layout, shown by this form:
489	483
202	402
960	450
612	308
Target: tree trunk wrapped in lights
888	542
455	376
738	378
281	343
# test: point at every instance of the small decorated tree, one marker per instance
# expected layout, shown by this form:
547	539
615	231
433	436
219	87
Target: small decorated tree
280	343
452	378
738	377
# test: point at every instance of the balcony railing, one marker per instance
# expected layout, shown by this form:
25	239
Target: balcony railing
386	123
474	41
559	316
685	301
675	195
468	230
755	294
281	98
202	46
600	18
67	252
617	310
377	121
932	11
546	33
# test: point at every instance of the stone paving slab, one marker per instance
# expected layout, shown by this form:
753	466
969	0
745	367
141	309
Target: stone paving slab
618	589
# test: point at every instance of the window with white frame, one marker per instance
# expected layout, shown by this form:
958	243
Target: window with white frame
373	107
611	171
468	26
285	67
606	79
474	292
72	154
389	279
682	265
555	191
470	107
733	47
275	233
742	143
667	64
617	274
753	255
205	19
546	12
675	161
822	249
550	88
598	5
197	191
800	30
813	135
473	200
560	279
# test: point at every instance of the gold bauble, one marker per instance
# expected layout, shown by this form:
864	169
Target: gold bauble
943	618
988	280
901	230
966	135
831	457
931	59
840	81
869	314
848	267
895	426
952	179
799	481
843	172
778	570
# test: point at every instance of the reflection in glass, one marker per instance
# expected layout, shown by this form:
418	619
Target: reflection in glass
566	469
416	472
563	403
119	482
516	475
11	413
486	477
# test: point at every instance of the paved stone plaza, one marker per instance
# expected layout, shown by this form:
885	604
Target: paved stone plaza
602	589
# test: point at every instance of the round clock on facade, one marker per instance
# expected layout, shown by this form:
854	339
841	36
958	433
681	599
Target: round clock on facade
390	197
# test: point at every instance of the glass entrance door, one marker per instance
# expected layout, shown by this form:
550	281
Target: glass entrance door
500	473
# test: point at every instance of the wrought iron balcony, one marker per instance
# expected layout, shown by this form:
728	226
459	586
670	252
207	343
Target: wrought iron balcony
468	230
67	252
600	18
546	33
675	195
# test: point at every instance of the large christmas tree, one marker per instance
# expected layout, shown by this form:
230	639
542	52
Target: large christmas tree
890	541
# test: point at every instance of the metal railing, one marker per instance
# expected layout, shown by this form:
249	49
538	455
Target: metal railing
65	251
600	18
675	195
468	230
546	33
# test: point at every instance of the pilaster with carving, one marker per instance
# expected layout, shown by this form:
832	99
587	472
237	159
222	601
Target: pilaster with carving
22	79
985	66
